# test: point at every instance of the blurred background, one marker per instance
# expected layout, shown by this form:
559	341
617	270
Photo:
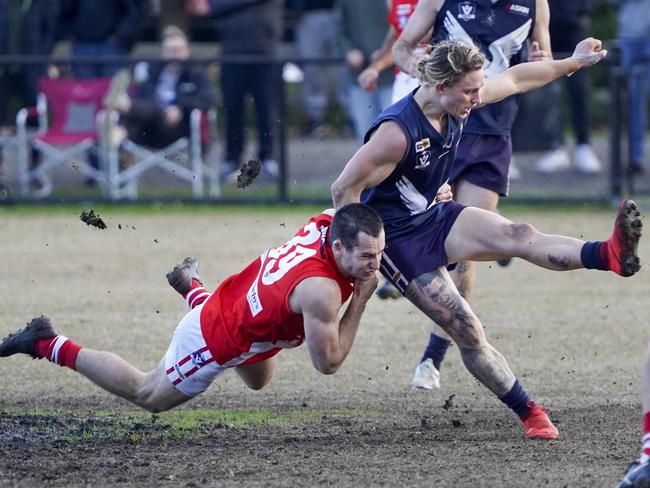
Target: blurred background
136	100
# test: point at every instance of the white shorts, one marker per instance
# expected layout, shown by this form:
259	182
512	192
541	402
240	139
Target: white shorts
189	365
403	85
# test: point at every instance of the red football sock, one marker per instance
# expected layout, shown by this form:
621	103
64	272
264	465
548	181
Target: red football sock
197	295
59	350
609	251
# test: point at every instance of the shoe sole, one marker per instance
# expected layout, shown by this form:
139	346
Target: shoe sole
630	224
40	327
178	273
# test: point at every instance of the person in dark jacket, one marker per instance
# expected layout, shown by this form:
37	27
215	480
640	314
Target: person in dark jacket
248	27
158	113
101	29
569	22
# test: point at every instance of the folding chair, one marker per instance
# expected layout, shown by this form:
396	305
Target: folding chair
67	112
123	182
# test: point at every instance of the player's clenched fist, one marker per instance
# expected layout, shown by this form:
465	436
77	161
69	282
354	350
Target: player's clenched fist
363	289
588	52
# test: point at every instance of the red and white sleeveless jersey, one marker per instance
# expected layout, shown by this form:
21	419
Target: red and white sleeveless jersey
400	12
248	318
398	16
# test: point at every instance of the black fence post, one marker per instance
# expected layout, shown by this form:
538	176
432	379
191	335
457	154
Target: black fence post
615	123
283	195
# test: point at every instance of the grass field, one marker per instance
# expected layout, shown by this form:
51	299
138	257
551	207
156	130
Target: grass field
576	340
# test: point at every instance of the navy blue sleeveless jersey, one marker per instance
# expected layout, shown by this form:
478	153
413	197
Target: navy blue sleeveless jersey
500	30
406	198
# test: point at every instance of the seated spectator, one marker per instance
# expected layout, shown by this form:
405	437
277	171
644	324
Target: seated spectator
158	113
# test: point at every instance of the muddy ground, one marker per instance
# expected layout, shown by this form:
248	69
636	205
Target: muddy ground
575	339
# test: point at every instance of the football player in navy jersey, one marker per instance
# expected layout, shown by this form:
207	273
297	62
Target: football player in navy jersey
405	164
482	170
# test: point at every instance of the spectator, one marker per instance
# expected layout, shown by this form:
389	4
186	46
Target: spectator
314	39
361	27
568	26
634	34
159	111
101	29
26	27
248	27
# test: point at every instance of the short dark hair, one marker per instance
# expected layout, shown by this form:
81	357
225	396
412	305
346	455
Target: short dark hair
353	218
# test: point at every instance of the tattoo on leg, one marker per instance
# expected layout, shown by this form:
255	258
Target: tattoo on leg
489	367
558	262
434	294
463	270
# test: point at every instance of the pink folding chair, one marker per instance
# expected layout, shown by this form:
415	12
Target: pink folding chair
68	111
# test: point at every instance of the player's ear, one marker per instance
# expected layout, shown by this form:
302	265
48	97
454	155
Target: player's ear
440	89
337	246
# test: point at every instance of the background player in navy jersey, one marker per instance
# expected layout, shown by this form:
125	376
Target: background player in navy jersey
481	172
408	155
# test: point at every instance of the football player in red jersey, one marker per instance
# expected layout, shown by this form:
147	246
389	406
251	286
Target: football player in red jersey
290	294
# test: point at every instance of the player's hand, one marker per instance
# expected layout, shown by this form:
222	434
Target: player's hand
173	115
363	289
368	79
197	7
444	193
588	52
355	59
537	54
411	67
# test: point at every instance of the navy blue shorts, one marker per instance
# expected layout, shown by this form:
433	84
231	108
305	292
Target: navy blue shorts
484	160
422	249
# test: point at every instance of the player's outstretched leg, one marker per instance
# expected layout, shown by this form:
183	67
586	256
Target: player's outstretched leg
185	279
480	235
152	391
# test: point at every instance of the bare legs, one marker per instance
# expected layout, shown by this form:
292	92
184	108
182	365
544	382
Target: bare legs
481	235
464	275
152	391
436	295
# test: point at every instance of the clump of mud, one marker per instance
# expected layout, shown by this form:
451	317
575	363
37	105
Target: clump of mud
92	219
248	172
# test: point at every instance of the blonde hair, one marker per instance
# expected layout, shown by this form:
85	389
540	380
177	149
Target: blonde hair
448	62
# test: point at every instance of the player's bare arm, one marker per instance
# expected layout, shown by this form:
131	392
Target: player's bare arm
328	339
540	49
370	165
529	76
423	17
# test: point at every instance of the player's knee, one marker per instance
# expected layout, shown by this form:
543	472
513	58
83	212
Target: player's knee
259	382
521	234
468	332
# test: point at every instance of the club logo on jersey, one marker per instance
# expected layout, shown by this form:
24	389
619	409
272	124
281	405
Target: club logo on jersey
515	8
422	145
198	359
424	160
466	11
